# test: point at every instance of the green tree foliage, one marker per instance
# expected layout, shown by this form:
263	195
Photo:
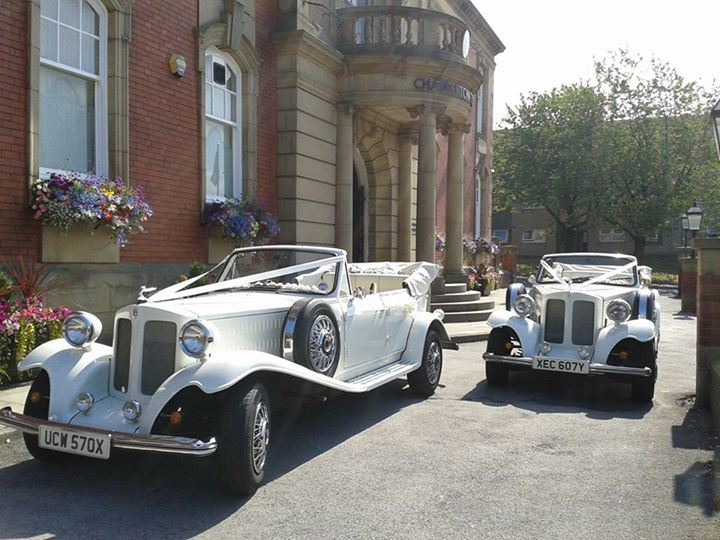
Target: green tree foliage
657	150
549	156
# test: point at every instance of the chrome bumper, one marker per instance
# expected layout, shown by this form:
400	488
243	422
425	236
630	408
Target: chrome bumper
597	369
126	441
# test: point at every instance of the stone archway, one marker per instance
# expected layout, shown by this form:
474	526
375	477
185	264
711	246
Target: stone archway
373	150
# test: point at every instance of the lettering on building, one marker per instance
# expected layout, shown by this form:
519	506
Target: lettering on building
438	86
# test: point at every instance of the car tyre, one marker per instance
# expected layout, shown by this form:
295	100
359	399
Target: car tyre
244	438
316	338
39	409
643	391
496	374
424	380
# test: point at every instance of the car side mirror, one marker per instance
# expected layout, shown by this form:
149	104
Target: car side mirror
532	279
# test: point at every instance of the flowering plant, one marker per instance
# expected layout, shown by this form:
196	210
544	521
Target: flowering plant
243	221
64	200
440	242
472	246
25	321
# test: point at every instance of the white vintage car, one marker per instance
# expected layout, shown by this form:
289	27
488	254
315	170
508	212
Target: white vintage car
196	368
586	313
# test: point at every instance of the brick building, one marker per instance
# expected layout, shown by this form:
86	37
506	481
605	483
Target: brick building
356	123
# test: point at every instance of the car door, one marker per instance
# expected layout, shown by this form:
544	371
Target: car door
400	308
365	324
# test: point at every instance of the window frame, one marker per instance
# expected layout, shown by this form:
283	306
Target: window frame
237	127
100	89
610	235
504	238
534	238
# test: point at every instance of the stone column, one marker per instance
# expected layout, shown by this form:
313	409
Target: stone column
708	325
455	208
405	197
344	179
427	168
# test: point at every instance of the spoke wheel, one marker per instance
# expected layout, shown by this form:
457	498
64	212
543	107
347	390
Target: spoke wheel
424	380
244	438
323	344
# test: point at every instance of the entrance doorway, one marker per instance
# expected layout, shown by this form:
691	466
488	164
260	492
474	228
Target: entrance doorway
358	218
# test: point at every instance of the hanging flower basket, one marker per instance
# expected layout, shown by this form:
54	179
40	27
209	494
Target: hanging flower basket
242	221
66	201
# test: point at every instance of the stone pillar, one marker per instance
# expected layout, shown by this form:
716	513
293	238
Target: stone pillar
708	325
687	282
455	209
405	198
426	196
344	179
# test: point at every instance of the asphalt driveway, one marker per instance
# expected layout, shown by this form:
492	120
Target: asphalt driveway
548	457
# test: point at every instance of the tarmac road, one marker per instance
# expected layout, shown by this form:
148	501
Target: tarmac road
551	456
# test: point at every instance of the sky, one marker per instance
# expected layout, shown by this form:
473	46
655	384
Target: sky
553	42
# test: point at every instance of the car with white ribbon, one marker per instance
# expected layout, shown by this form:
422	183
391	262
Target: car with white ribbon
198	368
583	313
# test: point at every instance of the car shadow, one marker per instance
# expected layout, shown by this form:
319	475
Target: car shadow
699	485
597	397
147	496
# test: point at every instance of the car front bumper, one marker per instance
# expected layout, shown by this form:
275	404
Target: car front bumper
595	369
164	444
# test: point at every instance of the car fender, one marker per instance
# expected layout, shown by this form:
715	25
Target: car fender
642	330
527	330
424	322
71	370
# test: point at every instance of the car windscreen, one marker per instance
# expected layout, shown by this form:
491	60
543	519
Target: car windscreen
581	268
311	278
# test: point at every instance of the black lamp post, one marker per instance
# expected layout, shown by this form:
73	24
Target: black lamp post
715	123
684	226
694	218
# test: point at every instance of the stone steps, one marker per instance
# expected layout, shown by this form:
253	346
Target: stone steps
467	316
473	305
467	296
455	288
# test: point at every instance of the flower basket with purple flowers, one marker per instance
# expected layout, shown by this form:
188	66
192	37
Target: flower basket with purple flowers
68	200
244	222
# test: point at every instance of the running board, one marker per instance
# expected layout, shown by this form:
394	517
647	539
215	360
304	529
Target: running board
382	375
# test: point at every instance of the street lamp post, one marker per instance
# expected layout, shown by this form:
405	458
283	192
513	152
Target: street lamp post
684	226
694	218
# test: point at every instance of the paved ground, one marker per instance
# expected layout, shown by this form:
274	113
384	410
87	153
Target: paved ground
548	457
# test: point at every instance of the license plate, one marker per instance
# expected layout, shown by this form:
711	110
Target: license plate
566	366
81	443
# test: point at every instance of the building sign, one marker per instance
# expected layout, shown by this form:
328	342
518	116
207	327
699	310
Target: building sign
438	86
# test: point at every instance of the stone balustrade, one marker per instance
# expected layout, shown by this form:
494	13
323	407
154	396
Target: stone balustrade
403	30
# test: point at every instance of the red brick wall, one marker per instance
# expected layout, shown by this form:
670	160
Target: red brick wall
708	311
164	133
18	231
265	22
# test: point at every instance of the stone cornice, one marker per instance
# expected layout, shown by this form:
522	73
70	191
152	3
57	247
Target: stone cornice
472	16
308	46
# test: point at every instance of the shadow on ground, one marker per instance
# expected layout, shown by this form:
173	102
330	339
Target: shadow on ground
596	397
147	496
699	485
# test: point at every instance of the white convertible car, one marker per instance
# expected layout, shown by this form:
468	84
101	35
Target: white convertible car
586	313
195	368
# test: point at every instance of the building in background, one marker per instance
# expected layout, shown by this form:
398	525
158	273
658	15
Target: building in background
362	126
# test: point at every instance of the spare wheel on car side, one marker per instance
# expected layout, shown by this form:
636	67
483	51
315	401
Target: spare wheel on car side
311	336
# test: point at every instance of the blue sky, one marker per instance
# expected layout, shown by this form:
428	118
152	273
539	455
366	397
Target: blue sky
553	42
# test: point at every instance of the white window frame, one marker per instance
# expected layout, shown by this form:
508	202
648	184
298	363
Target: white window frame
537	236
213	52
611	235
101	108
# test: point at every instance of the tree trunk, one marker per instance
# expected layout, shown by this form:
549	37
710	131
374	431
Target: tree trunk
639	247
568	239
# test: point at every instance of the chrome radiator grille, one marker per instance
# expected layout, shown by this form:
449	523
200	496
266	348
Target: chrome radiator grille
555	321
158	355
583	323
123	336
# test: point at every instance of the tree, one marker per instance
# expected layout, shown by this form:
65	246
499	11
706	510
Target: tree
548	155
656	149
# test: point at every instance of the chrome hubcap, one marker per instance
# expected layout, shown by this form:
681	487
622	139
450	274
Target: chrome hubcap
261	436
433	362
323	344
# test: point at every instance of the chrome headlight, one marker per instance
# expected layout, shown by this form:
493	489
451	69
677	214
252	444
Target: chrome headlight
195	339
132	410
84	402
545	347
524	305
618	310
81	329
